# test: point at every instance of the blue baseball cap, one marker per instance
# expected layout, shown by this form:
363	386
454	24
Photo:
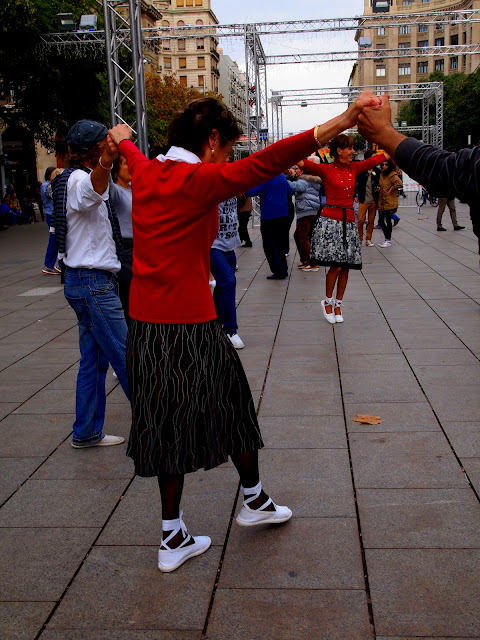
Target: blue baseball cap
85	134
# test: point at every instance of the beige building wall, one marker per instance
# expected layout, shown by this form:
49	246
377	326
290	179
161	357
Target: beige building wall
382	71
232	88
192	61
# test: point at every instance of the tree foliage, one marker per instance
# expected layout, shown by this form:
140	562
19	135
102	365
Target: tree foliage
166	96
50	88
461	95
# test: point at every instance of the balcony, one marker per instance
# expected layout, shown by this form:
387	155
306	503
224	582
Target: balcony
214	53
216	72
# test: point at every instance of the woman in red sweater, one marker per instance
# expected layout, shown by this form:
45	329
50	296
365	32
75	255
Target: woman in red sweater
335	242
191	403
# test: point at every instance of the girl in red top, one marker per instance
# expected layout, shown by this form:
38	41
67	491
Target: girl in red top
191	403
335	242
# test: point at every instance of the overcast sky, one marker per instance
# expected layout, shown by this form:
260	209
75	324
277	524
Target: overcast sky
297	76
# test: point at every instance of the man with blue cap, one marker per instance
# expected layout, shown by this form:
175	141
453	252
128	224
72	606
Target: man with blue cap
89	240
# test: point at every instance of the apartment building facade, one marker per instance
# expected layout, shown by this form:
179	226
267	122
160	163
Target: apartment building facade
410	69
232	87
192	61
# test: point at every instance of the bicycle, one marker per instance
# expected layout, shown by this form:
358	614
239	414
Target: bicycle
423	195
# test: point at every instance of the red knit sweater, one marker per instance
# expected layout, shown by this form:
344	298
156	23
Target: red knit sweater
175	221
338	181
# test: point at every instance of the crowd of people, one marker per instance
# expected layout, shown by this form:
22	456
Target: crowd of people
143	243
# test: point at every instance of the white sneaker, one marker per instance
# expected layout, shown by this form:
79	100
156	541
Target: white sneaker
252	517
387	243
107	441
369	243
236	341
330	317
338	316
171	559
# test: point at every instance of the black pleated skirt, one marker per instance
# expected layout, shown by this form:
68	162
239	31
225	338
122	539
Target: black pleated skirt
191	403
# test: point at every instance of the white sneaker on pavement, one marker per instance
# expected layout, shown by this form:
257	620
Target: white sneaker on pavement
106	441
236	341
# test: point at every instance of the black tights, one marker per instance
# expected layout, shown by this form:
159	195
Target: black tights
171	487
385	221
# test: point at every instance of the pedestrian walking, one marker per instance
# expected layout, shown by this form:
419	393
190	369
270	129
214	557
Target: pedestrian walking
366	192
450	203
389	184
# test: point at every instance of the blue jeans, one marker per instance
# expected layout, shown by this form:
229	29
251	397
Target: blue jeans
222	266
102	337
52	252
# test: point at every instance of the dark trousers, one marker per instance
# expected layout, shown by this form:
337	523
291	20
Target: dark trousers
385	221
222	266
302	237
275	240
243	218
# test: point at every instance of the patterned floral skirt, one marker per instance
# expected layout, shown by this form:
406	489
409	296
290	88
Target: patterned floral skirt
191	402
328	247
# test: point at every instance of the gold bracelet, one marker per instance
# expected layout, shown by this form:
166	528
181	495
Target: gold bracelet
320	144
104	168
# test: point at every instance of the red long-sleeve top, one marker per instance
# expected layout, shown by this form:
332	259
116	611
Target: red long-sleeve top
175	221
338	180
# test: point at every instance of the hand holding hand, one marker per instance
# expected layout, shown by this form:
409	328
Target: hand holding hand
374	121
118	133
365	99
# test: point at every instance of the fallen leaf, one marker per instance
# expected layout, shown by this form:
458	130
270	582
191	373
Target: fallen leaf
366	418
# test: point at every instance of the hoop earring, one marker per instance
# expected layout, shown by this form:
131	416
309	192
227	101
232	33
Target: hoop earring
213	151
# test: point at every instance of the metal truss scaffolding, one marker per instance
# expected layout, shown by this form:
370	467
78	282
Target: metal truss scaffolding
124	54
124	39
426	92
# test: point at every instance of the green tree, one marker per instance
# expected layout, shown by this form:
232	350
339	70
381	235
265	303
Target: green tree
461	118
164	97
49	87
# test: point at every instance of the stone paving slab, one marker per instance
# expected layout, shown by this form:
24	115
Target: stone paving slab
304	432
14	472
118	634
425	592
25	436
146	602
23	620
26	575
419	518
395	416
288	614
404	460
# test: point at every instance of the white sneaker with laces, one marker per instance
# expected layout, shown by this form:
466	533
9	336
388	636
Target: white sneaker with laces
252	517
171	559
387	243
236	341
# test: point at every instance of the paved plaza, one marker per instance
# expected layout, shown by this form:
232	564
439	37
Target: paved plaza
385	539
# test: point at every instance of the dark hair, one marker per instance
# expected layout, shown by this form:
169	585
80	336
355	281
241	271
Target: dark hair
342	141
79	158
48	172
192	127
391	165
368	154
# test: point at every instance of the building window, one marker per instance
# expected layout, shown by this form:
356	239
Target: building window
439	42
422	44
182	63
454	62
404	28
180	23
422	67
167	63
198	3
380	31
423	28
183	81
181	44
180	3
200	43
201	62
165	23
404	48
454	39
189	3
380	48
404	69
425	1
166	44
440	25
380	70
199	22
201	81
407	2
439	65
